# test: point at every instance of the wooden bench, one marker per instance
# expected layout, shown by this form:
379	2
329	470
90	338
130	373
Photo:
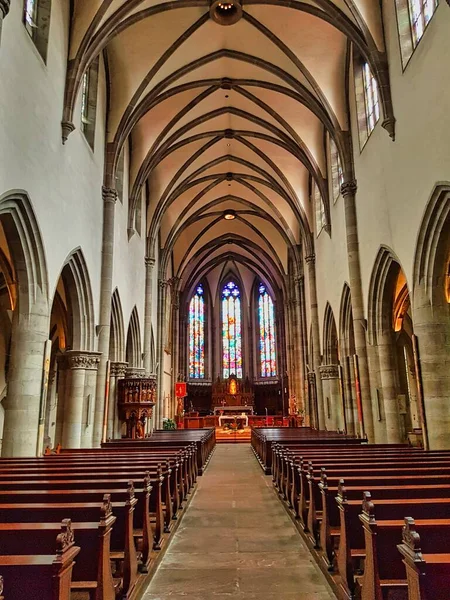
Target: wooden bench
41	576
427	569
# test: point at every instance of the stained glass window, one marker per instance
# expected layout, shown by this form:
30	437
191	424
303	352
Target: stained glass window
231	331
267	343
30	13
319	206
197	334
337	175
371	98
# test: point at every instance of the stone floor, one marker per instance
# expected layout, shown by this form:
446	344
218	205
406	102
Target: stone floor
236	541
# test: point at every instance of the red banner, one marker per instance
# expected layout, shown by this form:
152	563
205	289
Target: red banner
180	390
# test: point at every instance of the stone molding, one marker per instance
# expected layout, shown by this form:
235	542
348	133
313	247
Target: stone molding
329	372
135	373
163	283
118	369
348	188
311	258
311	377
149	262
4	7
298	279
109	195
78	359
66	127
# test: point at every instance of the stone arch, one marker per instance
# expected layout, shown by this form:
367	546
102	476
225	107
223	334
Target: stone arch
117	336
431	310
133	347
329	373
390	331
346	354
24	405
330	337
77	285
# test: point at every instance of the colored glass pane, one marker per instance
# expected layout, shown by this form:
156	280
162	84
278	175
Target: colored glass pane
197	334
267	341
231	331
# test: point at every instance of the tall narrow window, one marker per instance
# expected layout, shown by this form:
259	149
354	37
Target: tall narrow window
337	175
89	102
36	18
267	345
197	334
319	208
420	13
371	98
231	331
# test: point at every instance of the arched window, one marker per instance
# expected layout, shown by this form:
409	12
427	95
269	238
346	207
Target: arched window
231	331
89	102
267	342
413	17
371	98
197	334
319	207
337	176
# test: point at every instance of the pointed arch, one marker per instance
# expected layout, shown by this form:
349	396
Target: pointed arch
117	336
75	277
133	347
26	247
346	321
231	293
330	337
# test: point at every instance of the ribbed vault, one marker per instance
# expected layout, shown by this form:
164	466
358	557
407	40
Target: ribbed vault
227	118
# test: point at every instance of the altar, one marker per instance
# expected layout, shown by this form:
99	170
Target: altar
242	419
232	396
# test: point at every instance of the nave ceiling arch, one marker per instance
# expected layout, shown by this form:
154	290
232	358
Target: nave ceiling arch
227	119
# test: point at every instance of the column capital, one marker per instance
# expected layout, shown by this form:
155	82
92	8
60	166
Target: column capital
118	369
4	7
79	359
149	261
348	188
298	279
311	258
135	373
109	195
329	372
163	283
66	126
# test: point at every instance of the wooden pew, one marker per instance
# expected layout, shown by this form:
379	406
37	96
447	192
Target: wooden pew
39	577
383	570
427	569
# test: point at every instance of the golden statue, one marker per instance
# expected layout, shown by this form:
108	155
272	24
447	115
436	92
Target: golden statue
233	386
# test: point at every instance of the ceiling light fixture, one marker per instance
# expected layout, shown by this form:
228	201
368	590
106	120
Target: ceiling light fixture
229	215
225	12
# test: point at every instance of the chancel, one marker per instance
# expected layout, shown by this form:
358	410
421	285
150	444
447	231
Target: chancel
224	299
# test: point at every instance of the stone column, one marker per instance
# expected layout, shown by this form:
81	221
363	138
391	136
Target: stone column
51	407
159	408
26	367
348	191
77	363
299	343
4	10
61	395
311	262
92	362
331	389
109	202
388	376
175	343
348	394
149	264
114	426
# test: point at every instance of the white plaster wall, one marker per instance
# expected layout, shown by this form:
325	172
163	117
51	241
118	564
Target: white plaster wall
395	179
63	182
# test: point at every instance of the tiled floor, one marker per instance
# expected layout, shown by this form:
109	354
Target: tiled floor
236	541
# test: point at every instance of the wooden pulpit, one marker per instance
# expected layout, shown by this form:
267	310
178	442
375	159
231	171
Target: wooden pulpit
136	399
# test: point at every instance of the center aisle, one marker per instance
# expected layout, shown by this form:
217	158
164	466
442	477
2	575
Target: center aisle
236	541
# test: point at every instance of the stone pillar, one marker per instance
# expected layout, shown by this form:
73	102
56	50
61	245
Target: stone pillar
330	382
149	264
109	202
299	344
51	407
311	262
348	191
90	383
348	394
77	363
114	426
376	387
26	367
4	10
61	395
162	296
388	376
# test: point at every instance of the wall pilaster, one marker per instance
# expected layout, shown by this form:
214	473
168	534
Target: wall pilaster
149	264
348	190
109	202
311	262
330	384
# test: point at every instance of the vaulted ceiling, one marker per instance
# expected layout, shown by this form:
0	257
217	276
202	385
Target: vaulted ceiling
226	117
